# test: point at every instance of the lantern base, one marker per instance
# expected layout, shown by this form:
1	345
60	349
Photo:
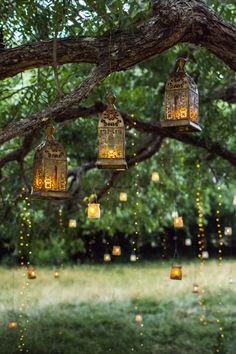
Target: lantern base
181	125
50	195
112	164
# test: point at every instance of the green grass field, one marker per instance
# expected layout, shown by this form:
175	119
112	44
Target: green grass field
92	309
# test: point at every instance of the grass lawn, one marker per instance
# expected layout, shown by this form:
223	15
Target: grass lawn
92	309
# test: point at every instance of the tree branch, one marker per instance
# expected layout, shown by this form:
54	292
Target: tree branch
170	22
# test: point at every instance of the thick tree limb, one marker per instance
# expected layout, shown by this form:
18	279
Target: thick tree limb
170	22
225	94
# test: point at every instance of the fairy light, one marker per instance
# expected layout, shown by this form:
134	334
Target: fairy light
24	253
136	218
201	243
220	333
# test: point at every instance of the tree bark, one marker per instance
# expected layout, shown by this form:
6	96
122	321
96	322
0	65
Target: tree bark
169	22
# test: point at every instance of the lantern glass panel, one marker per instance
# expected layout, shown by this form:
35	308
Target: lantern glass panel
94	211
181	101
111	138
176	272
50	169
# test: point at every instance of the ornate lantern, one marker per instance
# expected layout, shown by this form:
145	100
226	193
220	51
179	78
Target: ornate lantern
176	272
116	250
31	273
123	197
178	222
155	177
188	242
181	101
94	211
138	319
228	231
107	257
56	274
111	139
72	223
195	289
12	325
50	169
133	257
205	255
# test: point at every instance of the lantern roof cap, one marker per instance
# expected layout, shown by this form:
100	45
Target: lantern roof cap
180	64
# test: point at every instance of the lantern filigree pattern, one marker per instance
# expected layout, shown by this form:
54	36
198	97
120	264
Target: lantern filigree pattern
111	139
50	169
176	272
181	101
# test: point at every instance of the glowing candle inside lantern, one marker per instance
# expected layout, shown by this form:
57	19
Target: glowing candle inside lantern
139	319
116	251
72	223
56	274
176	272
155	177
195	289
123	197
31	274
12	325
178	221
94	211
107	257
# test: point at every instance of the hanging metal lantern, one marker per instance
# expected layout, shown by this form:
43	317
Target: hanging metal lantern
195	289
181	101
116	250
188	242
155	177
31	273
123	197
56	274
205	255
94	211
133	257
176	272
111	139
107	257
12	325
72	223
228	231
50	169
178	222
